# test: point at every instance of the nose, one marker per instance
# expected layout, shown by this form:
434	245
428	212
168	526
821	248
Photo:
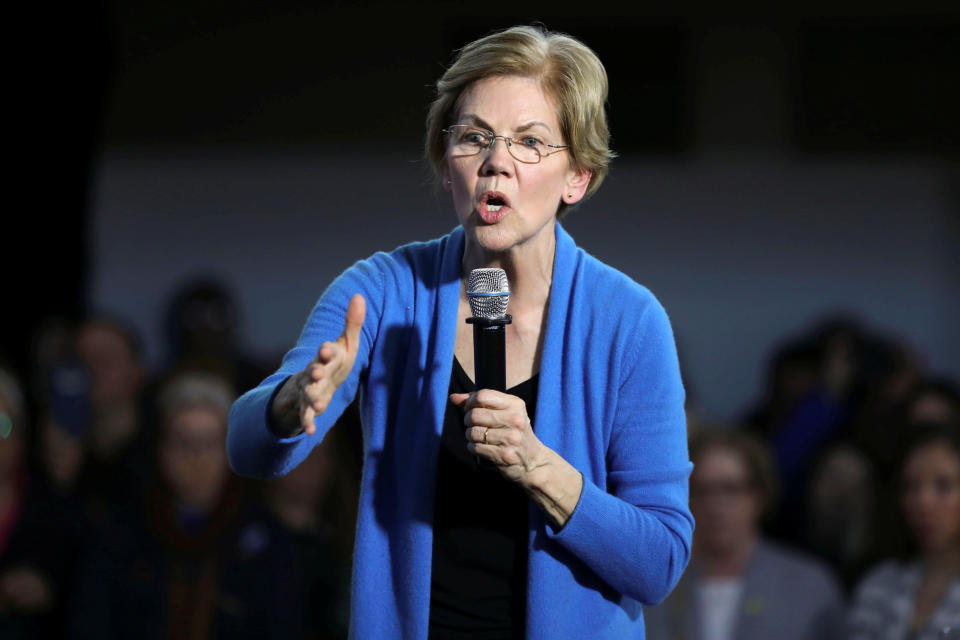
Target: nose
497	159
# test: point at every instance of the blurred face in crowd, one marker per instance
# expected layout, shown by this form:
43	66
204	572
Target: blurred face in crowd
62	455
193	456
115	373
931	496
724	500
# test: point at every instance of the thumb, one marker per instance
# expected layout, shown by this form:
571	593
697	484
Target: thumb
459	399
356	312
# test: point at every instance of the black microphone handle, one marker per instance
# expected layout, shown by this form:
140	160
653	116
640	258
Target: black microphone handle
489	353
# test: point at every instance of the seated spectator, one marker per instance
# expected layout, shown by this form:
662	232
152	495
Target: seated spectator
918	598
843	512
118	441
198	560
203	327
41	525
316	502
740	585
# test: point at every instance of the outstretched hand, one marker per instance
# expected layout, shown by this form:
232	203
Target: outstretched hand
308	393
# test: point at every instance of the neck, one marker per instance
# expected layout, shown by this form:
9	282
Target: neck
726	562
529	267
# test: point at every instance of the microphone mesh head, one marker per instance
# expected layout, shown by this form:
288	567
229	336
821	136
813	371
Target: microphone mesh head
488	293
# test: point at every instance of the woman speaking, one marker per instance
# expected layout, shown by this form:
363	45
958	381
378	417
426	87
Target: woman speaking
559	506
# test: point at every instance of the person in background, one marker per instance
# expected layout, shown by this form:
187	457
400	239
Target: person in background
741	586
119	440
317	504
42	528
197	558
203	334
918	596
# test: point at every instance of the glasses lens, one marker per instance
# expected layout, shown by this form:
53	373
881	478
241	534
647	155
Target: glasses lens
525	151
468	141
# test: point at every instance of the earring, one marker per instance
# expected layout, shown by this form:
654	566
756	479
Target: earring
449	182
569	195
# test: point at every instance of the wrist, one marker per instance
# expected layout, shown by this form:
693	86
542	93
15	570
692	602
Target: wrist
283	419
555	486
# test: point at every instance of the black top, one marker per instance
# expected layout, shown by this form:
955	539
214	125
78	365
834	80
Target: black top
480	534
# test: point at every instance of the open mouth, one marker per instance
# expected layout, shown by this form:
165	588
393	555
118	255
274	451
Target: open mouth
493	206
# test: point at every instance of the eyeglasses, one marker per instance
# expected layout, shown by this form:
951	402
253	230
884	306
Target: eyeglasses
468	140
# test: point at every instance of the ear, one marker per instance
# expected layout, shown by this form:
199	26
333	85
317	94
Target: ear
577	185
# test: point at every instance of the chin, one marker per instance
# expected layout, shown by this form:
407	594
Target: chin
494	238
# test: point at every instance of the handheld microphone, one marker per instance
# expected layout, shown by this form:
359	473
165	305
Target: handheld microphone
488	293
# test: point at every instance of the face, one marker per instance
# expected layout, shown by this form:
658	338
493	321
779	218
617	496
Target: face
193	456
931	496
115	374
502	203
724	502
63	455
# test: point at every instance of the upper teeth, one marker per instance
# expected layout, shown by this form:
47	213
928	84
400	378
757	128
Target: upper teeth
494	207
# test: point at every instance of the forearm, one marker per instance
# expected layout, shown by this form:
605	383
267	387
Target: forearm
252	447
554	486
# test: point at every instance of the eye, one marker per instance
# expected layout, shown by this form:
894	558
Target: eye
531	141
475	136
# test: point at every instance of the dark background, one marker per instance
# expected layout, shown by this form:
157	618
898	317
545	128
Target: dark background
775	165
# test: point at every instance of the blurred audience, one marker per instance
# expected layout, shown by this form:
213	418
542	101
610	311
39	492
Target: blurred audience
203	334
317	503
119	515
843	513
918	597
119	438
197	558
41	526
739	584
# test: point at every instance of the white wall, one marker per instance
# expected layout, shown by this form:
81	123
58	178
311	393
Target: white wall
742	251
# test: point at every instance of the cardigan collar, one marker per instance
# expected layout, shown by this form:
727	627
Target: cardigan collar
551	360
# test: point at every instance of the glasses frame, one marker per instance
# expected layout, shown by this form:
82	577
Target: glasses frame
508	141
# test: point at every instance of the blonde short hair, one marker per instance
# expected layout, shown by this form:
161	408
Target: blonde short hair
568	71
195	390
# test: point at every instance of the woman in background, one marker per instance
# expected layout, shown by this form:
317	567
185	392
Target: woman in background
919	599
741	586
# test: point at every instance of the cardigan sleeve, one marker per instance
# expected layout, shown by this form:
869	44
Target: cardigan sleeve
253	449
636	532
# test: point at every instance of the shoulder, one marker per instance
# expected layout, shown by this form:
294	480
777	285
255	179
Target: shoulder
806	573
887	578
388	274
615	296
409	263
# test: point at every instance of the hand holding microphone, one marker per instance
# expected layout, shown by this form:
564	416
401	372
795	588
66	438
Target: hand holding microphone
498	427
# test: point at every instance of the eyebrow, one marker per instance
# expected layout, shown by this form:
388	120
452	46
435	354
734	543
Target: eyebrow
477	120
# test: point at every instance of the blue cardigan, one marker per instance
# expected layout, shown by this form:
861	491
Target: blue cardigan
610	402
